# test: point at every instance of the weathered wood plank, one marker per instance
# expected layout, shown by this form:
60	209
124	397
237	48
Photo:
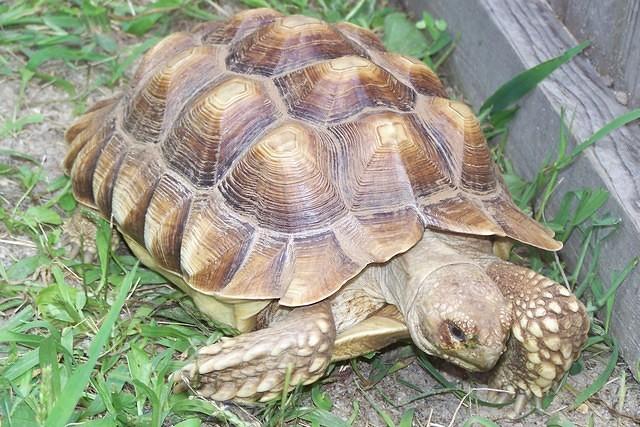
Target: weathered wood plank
614	28
560	7
501	38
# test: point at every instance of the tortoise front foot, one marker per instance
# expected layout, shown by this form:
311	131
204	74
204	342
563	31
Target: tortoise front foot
549	329
253	366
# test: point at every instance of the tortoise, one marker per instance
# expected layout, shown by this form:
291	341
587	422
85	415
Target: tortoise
325	197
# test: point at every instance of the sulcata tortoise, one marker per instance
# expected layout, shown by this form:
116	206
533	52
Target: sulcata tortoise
324	197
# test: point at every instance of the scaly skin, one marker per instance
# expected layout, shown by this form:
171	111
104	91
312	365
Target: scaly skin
550	326
458	301
79	236
253	366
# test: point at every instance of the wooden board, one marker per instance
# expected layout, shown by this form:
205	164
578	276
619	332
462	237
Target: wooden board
614	28
499	39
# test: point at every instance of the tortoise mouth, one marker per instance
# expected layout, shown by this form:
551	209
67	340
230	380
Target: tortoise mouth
479	360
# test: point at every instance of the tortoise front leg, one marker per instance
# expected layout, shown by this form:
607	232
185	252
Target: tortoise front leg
549	329
253	366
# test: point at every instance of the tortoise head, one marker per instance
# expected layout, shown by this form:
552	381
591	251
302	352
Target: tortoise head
460	315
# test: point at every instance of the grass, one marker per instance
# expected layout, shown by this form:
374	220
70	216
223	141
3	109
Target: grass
78	346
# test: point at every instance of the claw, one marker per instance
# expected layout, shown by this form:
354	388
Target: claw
502	396
519	406
180	381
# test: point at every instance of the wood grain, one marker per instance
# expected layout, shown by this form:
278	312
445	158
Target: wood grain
500	39
614	28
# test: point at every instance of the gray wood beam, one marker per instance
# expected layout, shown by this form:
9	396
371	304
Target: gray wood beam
614	28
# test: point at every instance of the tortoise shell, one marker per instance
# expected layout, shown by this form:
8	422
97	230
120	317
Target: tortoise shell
274	157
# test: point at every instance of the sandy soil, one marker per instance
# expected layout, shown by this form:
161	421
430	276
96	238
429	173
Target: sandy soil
45	142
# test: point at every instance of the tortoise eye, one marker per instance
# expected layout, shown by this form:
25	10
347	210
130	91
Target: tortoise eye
457	333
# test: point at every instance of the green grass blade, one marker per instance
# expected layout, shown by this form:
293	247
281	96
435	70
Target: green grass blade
601	133
559	421
156	420
103	246
103	422
17	125
617	280
320	398
381	413
407	418
23	339
602	379
26	362
524	82
424	362
18	155
479	421
323	418
72	391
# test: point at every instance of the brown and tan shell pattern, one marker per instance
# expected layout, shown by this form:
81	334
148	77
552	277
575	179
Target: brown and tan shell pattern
275	157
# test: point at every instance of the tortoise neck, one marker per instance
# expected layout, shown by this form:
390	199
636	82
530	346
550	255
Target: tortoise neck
404	275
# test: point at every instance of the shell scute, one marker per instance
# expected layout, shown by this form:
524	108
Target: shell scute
163	52
459	214
477	172
286	44
305	283
156	101
389	161
377	237
106	171
263	271
364	39
239	26
215	127
165	220
84	129
133	188
283	182
214	243
340	88
85	163
413	72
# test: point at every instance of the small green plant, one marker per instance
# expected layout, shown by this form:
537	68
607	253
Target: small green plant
427	39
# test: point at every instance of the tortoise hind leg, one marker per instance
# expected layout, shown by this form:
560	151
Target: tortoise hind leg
253	366
79	236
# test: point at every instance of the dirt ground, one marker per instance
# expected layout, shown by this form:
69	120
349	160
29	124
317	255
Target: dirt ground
45	142
446	409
